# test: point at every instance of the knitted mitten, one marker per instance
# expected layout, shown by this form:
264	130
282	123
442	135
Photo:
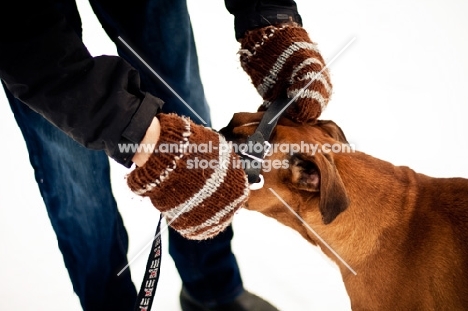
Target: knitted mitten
192	178
282	59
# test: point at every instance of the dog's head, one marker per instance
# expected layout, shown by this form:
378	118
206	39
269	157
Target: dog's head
300	167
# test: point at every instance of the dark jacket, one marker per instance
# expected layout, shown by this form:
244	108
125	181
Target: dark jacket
95	100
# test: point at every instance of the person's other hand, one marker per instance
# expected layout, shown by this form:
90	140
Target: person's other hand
283	59
193	177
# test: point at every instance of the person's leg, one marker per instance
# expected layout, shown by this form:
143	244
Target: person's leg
208	269
163	37
75	185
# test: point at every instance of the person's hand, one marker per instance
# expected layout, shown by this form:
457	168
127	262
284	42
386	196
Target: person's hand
282	59
193	177
150	139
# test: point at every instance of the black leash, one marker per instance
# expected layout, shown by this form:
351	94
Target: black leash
257	145
150	280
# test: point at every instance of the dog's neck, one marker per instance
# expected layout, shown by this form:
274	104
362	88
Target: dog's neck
386	187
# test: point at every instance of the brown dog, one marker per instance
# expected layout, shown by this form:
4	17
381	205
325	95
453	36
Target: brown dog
403	233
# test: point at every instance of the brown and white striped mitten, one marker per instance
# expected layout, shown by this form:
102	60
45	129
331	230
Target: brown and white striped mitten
282	59
192	178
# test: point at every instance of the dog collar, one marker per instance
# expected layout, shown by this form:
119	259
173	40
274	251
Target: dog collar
257	144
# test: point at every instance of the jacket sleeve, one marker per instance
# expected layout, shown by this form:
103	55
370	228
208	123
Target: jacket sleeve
95	100
251	14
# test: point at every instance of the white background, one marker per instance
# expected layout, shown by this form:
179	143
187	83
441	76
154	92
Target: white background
400	94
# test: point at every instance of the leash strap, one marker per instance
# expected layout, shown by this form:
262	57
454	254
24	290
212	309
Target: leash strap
257	144
150	280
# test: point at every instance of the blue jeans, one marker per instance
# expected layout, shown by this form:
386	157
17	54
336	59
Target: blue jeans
75	182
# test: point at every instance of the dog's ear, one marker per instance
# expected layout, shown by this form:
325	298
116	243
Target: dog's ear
318	173
333	130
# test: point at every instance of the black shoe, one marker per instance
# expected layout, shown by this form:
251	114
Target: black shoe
244	302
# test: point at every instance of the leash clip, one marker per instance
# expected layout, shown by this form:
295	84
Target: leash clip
245	153
265	150
261	136
259	184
